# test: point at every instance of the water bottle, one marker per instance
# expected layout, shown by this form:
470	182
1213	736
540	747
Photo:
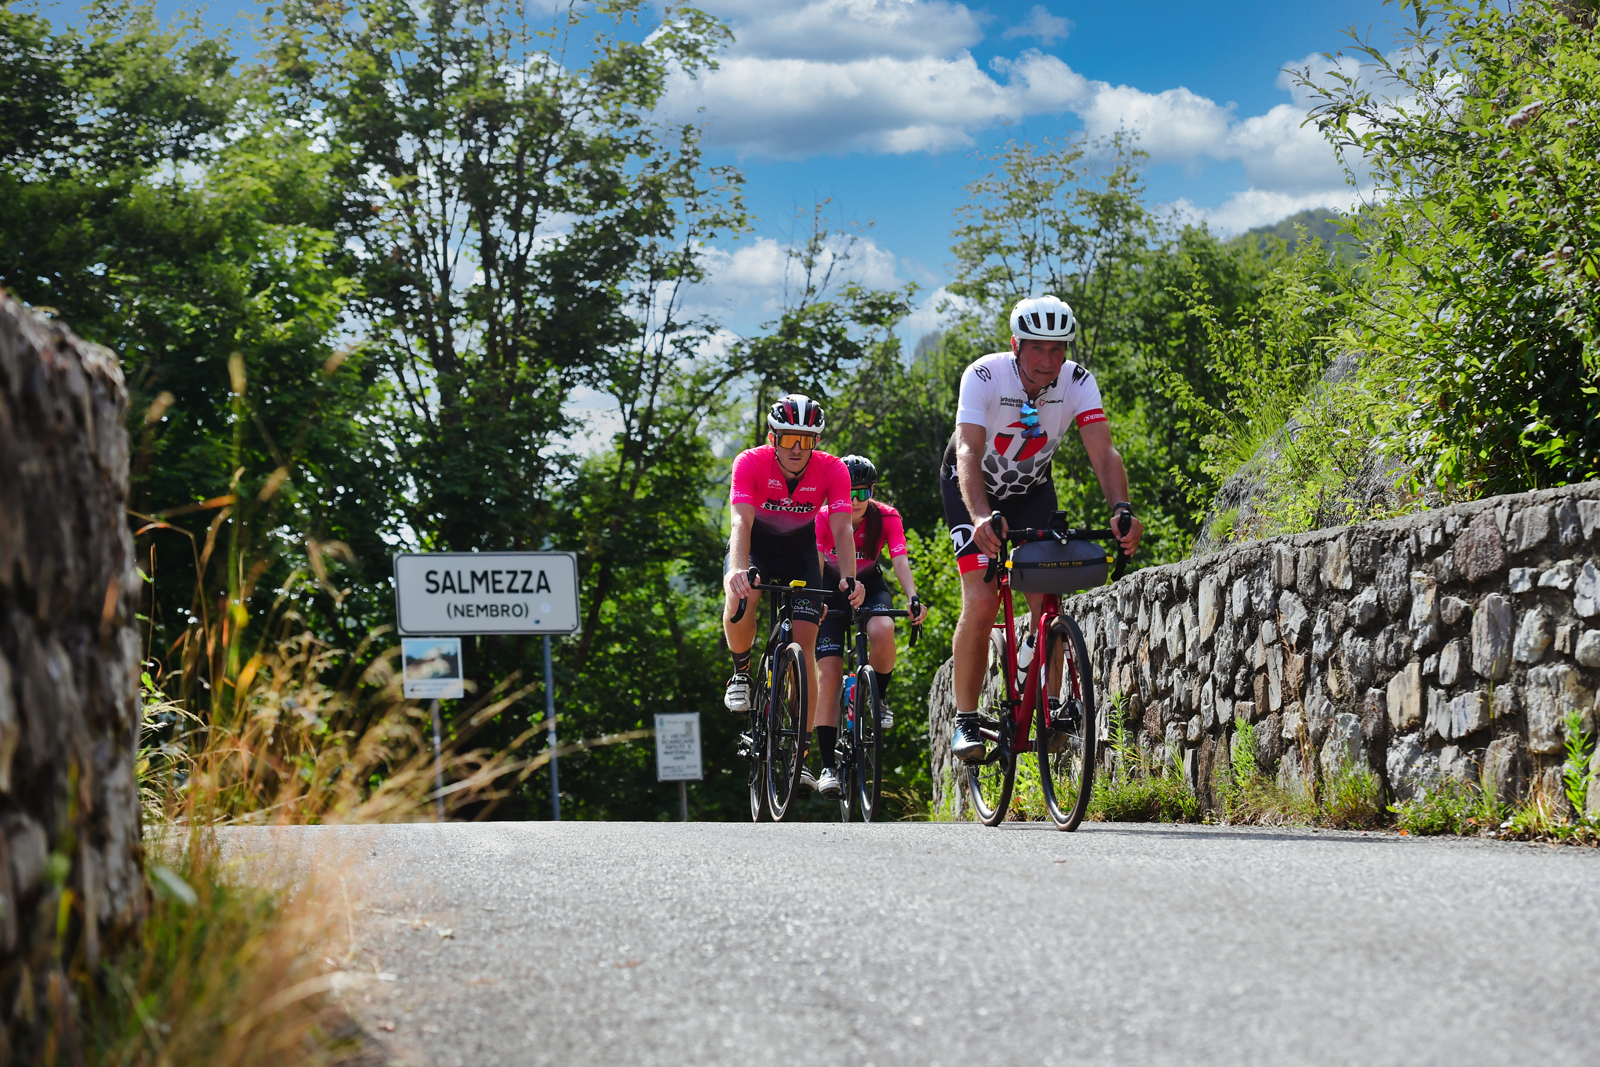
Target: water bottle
1024	657
850	701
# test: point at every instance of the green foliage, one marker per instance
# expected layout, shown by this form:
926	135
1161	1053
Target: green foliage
1132	787
1451	807
1481	241
1575	769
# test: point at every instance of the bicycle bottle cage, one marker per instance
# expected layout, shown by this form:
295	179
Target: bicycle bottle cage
1053	566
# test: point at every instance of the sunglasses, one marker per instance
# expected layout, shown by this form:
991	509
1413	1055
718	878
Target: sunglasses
1030	422
862	493
803	441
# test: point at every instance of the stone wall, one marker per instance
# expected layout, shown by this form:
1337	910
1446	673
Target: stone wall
69	667
1449	643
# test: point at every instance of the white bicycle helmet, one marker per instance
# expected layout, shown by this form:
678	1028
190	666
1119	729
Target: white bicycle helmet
795	413
1047	318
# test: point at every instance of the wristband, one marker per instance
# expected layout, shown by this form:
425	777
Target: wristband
1122	505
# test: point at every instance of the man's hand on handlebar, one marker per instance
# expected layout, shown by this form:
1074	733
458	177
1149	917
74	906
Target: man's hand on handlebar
737	583
986	535
853	589
1126	525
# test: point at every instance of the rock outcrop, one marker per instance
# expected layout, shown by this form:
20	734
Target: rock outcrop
70	844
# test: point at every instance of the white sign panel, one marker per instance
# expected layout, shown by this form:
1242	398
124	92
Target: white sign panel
678	747
486	592
432	668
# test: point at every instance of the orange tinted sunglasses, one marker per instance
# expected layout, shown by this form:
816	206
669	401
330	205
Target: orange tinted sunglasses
803	441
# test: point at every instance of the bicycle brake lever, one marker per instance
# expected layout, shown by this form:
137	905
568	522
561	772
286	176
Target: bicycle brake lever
1125	522
752	576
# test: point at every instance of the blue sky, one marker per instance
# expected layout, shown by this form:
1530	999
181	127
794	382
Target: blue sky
882	106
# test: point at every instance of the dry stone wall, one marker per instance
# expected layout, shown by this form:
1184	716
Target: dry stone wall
1452	643
69	665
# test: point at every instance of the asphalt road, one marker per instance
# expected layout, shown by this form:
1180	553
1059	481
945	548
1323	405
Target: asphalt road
947	944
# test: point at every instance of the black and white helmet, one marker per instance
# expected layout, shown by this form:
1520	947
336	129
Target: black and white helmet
1047	318
862	472
795	413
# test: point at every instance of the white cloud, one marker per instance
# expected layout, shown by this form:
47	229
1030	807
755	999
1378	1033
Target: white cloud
1260	207
935	311
1044	27
750	281
842	30
1173	126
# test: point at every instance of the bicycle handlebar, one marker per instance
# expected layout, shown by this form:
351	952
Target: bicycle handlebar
753	576
1124	518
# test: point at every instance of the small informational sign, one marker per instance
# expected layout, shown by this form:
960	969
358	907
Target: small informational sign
486	592
678	747
432	668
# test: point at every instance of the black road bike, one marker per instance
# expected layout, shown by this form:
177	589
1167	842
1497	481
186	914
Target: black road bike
775	742
860	750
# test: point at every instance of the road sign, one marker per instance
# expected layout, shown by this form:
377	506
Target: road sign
678	747
432	668
486	592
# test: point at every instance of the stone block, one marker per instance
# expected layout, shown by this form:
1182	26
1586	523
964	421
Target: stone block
1172	633
1430	665
1491	637
10	726
1324	635
1505	768
1394	585
1588	651
1375	717
1244	711
1342	749
1458	763
1444	568
1436	714
1193	731
1522	578
1530	527
1450	658
1589	516
1586	591
1404	698
1211	604
1533	637
1358	663
1191	633
1569	526
1424	618
1550	694
1208	707
1269	632
1563	640
1275	678
1269	742
1294	617
1469	713
1451	609
1479	549
1263	595
1308	571
1260	690
1319	716
1506	702
1560	577
1239	599
1294	721
1394	645
1283	558
1364	607
1337	572
1413	771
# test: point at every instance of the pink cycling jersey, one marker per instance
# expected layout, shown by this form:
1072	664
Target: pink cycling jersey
781	511
893	537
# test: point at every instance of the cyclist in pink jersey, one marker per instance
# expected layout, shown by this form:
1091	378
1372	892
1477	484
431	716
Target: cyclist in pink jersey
776	492
878	531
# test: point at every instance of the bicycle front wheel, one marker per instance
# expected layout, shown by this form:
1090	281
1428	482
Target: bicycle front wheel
991	780
786	731
757	767
867	741
1066	748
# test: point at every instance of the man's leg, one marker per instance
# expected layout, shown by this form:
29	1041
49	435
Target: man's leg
830	674
970	651
881	654
741	636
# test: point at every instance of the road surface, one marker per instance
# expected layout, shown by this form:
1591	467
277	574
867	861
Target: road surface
939	945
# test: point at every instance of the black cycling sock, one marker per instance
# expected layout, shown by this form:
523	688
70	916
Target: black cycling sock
741	662
827	741
882	679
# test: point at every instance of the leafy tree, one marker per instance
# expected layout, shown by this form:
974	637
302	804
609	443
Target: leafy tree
1481	138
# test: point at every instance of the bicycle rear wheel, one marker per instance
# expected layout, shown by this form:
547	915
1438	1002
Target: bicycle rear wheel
1066	751
786	731
758	768
867	740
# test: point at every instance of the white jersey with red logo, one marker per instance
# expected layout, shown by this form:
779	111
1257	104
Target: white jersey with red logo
992	397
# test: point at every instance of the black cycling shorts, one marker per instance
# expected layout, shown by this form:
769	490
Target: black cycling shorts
831	635
1026	511
782	560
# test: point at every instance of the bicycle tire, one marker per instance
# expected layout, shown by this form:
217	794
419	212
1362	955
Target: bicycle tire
758	769
786	736
868	745
1071	766
991	783
845	757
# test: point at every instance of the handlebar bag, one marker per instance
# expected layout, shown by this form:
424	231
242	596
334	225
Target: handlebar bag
1058	567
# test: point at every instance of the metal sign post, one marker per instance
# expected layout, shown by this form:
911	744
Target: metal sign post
479	593
678	754
431	667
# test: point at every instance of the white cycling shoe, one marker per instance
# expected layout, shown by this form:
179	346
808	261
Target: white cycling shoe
828	783
737	698
885	718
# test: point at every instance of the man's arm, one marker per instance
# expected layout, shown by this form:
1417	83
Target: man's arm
844	547
908	584
974	494
1113	477
736	581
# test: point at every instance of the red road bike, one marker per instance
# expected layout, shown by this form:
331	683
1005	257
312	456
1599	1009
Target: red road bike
1061	731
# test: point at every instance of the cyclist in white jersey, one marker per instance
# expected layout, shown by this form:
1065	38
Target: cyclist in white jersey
1013	409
